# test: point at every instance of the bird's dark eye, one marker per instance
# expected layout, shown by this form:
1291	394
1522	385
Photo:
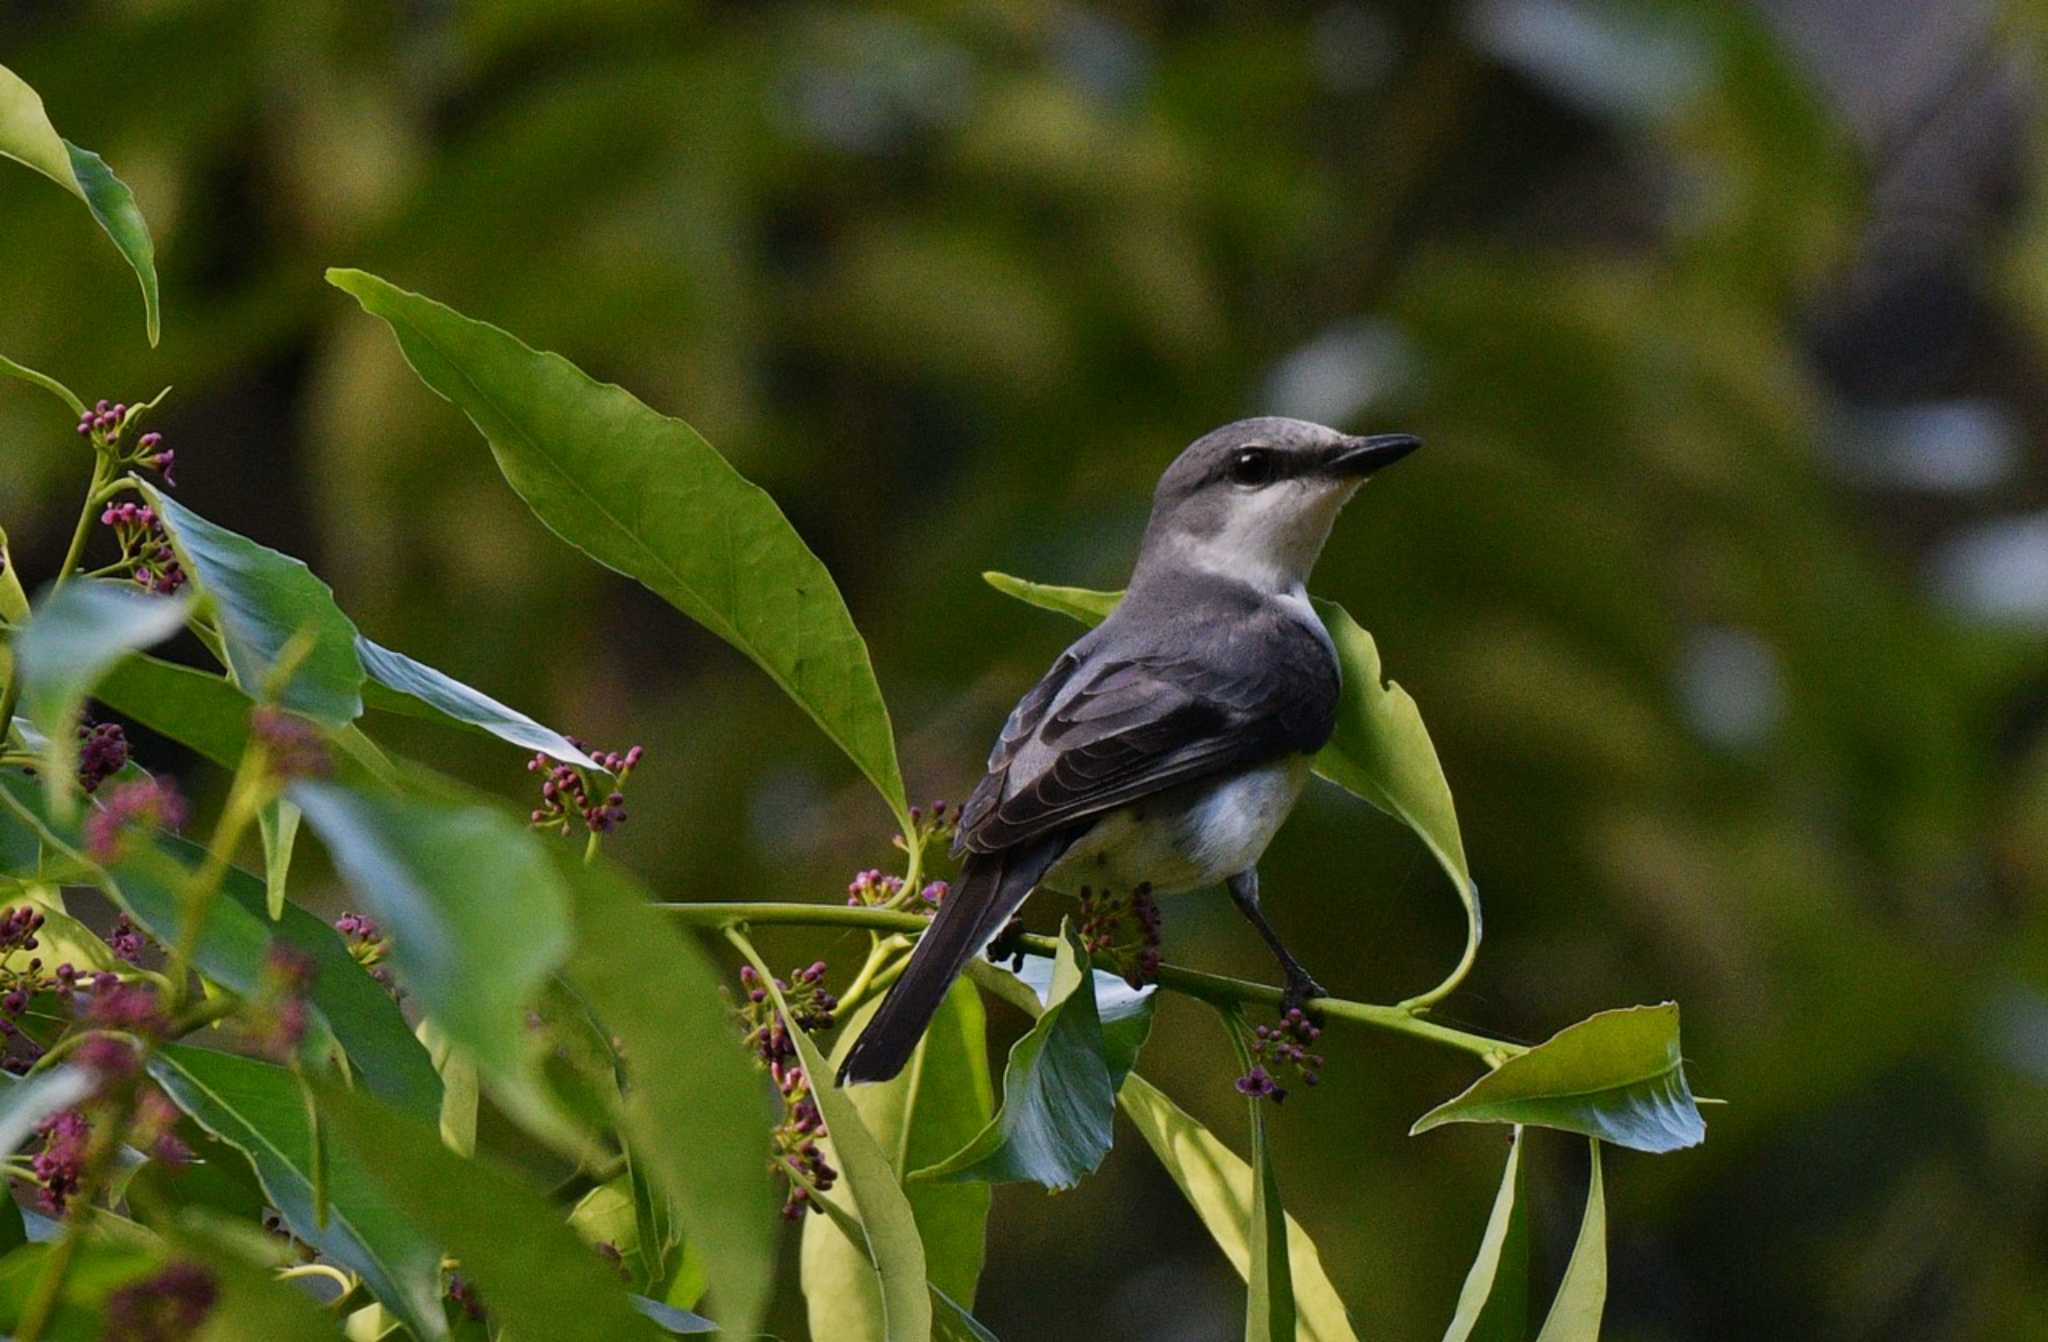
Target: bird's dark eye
1253	466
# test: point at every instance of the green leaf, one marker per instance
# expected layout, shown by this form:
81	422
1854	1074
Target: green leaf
952	1323
81	631
399	684
458	1088
1125	1012
658	992
928	1111
1493	1305
1617	1076
27	137
642	493
535	1275
1380	750
259	1109
867	1177
99	1268
249	1300
193	708
1582	1295
264	600
1269	1312
477	915
1059	1098
1220	1188
27	1101
279	823
673	1318
61	938
56	389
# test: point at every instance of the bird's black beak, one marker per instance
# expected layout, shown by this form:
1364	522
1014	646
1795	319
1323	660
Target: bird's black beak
1361	457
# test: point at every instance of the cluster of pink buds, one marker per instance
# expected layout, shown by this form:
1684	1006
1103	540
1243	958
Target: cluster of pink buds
368	945
277	1024
60	1165
797	1156
940	821
106	424
292	746
871	888
145	547
1102	931
1285	1045
102	753
146	803
567	796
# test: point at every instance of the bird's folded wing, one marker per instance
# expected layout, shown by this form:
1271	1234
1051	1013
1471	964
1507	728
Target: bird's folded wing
1136	726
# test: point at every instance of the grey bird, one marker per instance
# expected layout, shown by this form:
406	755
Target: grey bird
1167	745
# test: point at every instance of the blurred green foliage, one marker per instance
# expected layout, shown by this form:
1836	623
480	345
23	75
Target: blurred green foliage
954	282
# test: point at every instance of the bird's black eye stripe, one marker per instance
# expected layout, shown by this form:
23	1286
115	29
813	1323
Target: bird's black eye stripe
1252	466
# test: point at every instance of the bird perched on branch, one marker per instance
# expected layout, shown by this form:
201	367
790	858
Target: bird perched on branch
1166	746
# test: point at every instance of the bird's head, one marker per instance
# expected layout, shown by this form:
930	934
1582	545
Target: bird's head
1255	500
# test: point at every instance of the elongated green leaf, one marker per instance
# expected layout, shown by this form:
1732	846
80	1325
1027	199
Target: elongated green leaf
27	1101
401	685
263	600
477	915
1059	1099
458	1088
27	137
928	1111
1617	1076
1493	1305
535	1276
642	493
1220	1187
258	1109
278	822
1582	1295
61	939
887	1222
56	389
1380	750
1125	1012
952	1323
81	631
658	993
98	1269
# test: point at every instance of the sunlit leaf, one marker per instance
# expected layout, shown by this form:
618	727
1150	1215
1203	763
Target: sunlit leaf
81	631
278	824
27	137
458	1087
477	915
1059	1098
643	493
929	1110
258	1108
1617	1076
399	684
658	992
263	600
870	1180
1380	750
1493	1305
1582	1295
1219	1186
533	1274
61	939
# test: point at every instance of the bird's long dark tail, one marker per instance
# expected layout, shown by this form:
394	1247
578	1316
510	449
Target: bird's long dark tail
989	891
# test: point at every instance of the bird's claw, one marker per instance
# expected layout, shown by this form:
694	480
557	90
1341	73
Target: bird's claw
1300	991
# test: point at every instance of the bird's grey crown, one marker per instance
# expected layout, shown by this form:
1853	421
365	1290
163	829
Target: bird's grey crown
1207	460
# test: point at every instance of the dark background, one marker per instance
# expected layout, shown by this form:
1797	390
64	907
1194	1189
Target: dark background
1722	584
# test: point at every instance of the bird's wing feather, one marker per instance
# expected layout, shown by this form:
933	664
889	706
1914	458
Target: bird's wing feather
1104	729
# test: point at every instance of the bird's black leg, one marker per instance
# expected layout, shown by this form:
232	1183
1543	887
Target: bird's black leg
1301	985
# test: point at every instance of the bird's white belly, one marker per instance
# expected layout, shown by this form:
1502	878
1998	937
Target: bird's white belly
1185	838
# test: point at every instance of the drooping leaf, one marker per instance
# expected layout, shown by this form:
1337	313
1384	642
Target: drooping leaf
458	1087
1220	1187
1380	750
56	389
1124	1011
642	493
263	600
27	137
476	913
1059	1098
259	1109
81	631
1582	1295
928	1111
27	1101
1269	1313
399	684
278	822
534	1275
871	1182
1493	1305
658	993
1617	1076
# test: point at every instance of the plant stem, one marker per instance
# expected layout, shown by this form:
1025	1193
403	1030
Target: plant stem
102	468
1212	988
